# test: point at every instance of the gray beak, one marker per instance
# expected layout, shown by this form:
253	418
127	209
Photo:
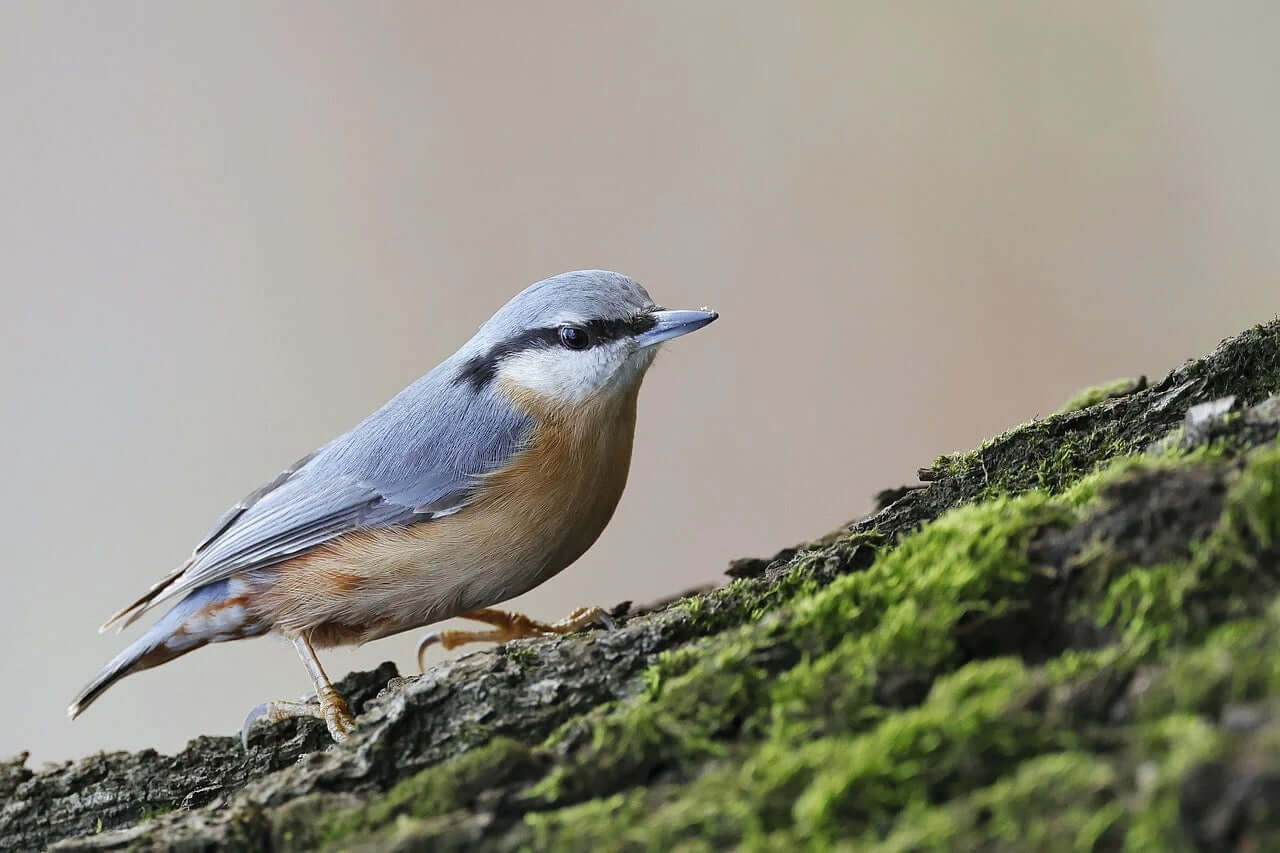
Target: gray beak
673	324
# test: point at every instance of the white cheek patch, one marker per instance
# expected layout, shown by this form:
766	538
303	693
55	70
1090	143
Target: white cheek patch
557	373
565	375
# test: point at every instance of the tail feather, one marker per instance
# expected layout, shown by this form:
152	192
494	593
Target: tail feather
129	660
143	604
210	614
150	649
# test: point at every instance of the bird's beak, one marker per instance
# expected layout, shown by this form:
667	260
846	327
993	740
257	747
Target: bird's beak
673	324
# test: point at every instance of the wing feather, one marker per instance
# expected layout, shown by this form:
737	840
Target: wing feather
229	517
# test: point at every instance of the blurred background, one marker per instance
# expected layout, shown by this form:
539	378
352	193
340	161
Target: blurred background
228	231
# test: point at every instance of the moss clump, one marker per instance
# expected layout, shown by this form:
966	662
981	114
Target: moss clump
322	819
1054	453
1055	801
1238	662
1042	455
815	791
1087	397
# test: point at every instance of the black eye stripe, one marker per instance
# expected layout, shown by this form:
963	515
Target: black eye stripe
480	370
612	330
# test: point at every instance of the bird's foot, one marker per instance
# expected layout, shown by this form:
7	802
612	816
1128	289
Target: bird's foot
329	706
512	626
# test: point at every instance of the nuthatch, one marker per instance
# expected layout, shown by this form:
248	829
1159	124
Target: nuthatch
476	483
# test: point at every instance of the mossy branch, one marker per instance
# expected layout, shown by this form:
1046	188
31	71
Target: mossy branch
1064	639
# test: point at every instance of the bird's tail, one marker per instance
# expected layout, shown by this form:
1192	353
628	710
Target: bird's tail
210	614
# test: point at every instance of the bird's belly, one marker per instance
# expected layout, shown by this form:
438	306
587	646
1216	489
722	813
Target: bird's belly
376	583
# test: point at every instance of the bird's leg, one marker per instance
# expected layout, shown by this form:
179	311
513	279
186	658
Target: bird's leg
333	708
328	704
512	626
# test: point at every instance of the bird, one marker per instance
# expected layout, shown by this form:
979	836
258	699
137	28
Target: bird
479	481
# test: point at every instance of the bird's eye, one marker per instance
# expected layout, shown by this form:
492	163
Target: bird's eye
574	337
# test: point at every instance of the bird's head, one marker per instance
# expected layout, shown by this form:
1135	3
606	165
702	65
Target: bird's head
574	338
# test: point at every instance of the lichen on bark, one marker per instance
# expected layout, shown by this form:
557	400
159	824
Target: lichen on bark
1066	639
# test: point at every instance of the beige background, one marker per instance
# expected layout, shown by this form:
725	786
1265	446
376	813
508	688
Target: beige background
228	231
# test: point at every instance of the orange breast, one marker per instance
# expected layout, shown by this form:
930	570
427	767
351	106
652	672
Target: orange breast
563	489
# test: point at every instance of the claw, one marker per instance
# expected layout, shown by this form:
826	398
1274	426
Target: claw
332	709
337	718
426	641
255	714
607	621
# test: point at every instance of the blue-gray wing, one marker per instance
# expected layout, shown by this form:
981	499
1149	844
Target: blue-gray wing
246	502
416	458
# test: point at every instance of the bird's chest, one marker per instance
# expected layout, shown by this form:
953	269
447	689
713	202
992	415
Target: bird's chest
551	504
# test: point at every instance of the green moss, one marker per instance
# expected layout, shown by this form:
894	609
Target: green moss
1058	465
1087	397
435	791
975	724
966	563
670	664
668	728
955	464
1224	578
1041	455
1247	367
609	822
522	655
747	599
899	616
1054	453
1166	750
1088	487
1251	523
322	819
1056	801
1238	662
